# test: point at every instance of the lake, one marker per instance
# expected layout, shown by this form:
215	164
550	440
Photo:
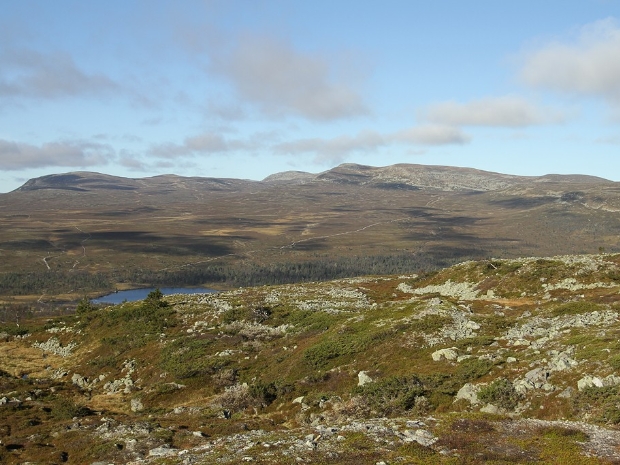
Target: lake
132	295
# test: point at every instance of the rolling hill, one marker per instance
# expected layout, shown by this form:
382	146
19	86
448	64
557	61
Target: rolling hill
66	235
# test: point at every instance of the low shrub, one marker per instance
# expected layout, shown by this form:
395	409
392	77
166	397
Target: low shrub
66	409
600	403
501	393
185	358
347	343
430	323
392	395
575	308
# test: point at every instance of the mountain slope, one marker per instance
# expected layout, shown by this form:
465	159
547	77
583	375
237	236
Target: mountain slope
498	361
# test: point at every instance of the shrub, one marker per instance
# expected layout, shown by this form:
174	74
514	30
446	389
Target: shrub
392	395
66	409
430	323
471	369
575	308
185	358
263	393
320	355
500	392
599	402
85	306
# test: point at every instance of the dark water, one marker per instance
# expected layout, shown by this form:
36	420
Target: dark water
139	294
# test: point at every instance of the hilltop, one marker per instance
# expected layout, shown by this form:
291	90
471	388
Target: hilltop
491	361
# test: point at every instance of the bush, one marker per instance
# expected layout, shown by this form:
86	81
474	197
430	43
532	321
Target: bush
85	306
599	402
320	355
430	323
185	358
66	409
575	308
392	395
501	393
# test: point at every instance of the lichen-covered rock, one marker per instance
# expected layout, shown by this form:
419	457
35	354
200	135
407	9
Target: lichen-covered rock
363	378
448	354
469	392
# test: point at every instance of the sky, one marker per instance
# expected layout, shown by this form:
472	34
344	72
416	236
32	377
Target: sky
245	89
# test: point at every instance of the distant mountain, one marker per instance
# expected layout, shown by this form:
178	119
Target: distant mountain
444	178
400	176
290	177
85	232
83	181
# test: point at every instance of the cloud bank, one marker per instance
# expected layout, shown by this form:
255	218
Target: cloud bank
27	73
282	80
589	66
506	111
16	156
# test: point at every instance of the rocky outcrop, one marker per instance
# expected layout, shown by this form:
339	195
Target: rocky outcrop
54	346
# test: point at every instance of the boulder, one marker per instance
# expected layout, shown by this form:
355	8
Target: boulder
449	354
468	392
363	378
589	381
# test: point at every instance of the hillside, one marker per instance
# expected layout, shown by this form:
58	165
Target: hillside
492	361
69	235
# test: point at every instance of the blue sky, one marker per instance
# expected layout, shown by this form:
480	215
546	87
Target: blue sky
245	89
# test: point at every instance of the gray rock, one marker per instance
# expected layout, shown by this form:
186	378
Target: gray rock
363	378
589	381
490	408
163	451
468	392
448	354
136	405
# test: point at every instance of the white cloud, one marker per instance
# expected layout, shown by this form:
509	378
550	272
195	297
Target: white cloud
16	156
432	134
613	140
207	143
506	111
27	73
337	149
588	65
282	80
333	150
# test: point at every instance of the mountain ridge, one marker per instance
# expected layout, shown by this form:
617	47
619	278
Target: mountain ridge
445	178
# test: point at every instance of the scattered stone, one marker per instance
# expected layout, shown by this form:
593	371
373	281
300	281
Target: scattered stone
490	408
54	346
